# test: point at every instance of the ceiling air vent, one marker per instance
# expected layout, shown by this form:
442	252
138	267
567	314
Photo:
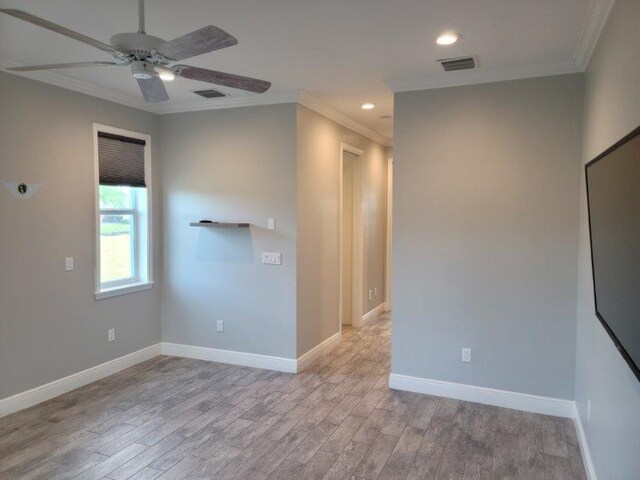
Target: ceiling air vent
211	93
460	63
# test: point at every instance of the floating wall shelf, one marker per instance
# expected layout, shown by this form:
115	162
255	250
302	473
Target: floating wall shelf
219	224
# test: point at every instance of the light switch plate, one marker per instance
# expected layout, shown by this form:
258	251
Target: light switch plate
271	223
271	258
466	355
68	264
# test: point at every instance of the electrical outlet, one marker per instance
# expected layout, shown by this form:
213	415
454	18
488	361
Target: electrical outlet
68	264
588	410
219	326
466	355
271	258
111	334
370	294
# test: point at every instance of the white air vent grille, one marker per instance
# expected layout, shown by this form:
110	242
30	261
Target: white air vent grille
459	63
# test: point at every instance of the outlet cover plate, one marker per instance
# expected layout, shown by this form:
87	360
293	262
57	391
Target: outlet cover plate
271	258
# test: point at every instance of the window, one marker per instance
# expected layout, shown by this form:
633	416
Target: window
123	211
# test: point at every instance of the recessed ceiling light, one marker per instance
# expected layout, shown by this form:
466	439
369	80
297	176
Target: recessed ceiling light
448	38
368	106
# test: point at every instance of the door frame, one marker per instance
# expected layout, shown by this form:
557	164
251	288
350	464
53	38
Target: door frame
388	264
357	277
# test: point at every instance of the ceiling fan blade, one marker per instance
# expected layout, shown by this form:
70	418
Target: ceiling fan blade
41	22
63	65
204	40
222	78
153	90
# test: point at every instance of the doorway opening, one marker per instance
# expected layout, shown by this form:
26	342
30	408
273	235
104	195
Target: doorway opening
351	236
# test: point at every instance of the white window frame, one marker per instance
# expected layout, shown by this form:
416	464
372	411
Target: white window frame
142	223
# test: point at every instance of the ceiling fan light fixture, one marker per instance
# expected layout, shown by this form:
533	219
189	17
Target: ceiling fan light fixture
448	38
166	75
142	70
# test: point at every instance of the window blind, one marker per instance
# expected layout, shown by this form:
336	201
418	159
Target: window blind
121	160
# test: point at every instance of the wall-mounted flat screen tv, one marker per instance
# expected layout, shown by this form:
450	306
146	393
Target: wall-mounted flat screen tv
613	193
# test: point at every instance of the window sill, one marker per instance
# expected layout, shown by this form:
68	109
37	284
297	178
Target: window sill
123	290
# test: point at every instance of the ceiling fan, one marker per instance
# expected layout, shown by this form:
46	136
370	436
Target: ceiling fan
150	57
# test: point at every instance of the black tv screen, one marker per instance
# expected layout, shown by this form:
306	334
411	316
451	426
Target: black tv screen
613	194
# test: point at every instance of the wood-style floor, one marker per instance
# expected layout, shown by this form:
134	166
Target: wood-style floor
174	418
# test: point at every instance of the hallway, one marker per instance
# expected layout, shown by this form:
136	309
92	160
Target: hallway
174	418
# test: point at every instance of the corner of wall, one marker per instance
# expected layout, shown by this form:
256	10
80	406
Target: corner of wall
319	140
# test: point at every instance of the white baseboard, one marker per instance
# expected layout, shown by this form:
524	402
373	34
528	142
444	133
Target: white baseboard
245	359
584	446
58	387
316	352
280	364
489	396
373	313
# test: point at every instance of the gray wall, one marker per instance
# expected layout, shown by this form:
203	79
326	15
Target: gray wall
233	165
50	324
612	109
319	140
485	234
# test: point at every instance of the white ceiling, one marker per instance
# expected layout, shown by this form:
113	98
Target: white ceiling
342	52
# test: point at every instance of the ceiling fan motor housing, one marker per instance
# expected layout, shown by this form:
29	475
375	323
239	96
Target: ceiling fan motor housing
136	46
139	49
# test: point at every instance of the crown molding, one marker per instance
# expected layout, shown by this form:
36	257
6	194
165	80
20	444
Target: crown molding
331	113
451	79
68	83
268	98
472	77
272	98
597	14
596	18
